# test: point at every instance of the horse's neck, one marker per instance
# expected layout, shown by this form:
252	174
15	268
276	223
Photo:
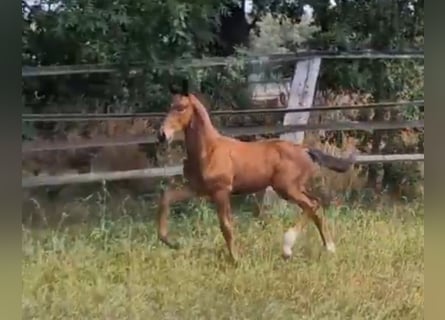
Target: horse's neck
192	145
203	120
200	133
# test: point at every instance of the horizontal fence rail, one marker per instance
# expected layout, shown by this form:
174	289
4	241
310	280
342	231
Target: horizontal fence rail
59	117
29	71
47	180
30	182
233	132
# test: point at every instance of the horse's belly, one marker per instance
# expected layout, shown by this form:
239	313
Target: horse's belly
250	183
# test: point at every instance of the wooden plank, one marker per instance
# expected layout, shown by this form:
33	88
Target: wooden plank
233	132
302	93
54	117
29	71
38	181
385	158
101	142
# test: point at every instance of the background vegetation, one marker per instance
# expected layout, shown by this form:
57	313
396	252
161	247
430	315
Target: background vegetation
158	33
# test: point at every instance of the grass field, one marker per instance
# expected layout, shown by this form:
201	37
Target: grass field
116	269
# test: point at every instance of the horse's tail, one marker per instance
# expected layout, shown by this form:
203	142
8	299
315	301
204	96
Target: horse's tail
334	163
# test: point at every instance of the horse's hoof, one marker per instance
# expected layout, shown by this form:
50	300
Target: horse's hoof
286	256
169	244
235	261
330	247
234	257
175	246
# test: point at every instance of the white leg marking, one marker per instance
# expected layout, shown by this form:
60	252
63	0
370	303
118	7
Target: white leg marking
290	236
330	246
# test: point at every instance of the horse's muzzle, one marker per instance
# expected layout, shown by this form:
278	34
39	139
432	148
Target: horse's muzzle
161	136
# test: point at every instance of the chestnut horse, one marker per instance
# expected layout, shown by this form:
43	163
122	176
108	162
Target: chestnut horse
218	166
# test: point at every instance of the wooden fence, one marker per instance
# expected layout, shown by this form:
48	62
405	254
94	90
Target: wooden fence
36	181
31	71
233	132
29	182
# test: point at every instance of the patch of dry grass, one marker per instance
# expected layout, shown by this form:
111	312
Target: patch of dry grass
116	269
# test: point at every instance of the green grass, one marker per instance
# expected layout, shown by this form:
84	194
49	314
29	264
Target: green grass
116	269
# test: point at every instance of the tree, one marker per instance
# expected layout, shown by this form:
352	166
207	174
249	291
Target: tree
122	32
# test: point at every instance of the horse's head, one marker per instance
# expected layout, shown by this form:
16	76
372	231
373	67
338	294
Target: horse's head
180	114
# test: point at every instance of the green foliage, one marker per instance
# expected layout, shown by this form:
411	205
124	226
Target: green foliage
147	32
406	79
79	31
128	32
279	34
224	86
358	25
382	26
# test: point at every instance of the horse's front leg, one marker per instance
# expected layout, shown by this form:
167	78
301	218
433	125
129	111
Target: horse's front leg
222	201
168	197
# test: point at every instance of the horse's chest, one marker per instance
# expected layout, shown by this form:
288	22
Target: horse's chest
192	173
205	178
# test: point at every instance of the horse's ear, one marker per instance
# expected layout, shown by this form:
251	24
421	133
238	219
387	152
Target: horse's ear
183	90
185	87
173	89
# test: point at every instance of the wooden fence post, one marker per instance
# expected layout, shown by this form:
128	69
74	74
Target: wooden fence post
302	93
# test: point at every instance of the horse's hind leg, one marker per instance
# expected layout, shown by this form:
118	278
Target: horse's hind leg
320	222
258	210
291	235
309	205
167	198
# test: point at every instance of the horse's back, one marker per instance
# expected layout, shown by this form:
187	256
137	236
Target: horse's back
265	153
258	164
253	164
